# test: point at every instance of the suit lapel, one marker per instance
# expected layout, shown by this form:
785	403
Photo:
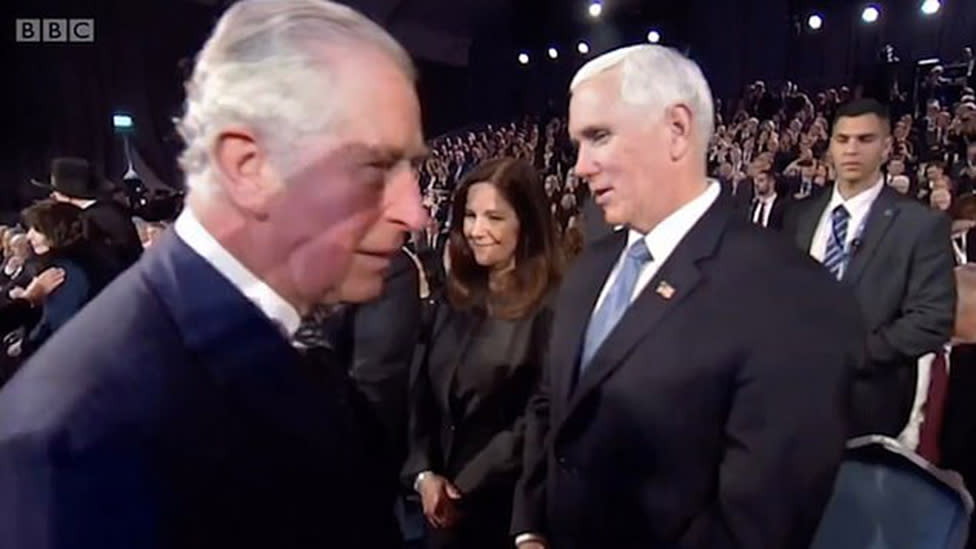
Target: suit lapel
883	213
809	217
467	325
251	362
677	278
580	299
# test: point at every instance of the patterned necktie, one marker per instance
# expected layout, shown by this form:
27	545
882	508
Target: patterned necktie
616	301
836	255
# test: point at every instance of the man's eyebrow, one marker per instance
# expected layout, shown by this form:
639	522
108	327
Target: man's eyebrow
394	154
855	135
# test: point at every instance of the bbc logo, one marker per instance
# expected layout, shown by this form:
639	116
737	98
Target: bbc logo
55	30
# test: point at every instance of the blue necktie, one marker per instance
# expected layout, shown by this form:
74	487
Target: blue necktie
616	301
836	255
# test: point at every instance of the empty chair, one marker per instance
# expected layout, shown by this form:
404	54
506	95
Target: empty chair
887	497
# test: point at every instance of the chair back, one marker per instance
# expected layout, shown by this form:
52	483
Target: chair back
888	497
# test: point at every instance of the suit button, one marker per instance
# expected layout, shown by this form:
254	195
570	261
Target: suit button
561	460
453	428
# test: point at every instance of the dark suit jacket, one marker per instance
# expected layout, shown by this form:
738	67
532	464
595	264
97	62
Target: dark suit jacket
776	215
902	276
110	226
377	339
172	413
713	417
475	441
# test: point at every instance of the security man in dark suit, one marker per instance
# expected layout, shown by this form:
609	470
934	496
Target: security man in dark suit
894	253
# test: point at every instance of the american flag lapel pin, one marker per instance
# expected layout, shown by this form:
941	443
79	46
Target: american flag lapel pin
665	290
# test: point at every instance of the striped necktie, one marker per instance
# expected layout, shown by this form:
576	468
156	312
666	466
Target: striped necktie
835	258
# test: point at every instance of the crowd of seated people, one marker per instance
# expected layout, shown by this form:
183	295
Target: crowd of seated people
65	249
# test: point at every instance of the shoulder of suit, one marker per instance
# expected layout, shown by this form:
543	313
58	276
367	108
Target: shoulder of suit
918	212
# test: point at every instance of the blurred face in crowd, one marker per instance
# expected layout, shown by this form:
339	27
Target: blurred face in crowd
896	167
491	227
971	152
932	109
764	184
901	131
550	185
725	170
933	172
900	183
330	224
808	171
625	152
943	120
820	173
941	199
859	145
20	246
38	241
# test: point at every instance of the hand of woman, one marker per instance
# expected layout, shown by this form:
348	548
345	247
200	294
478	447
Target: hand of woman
43	284
439	499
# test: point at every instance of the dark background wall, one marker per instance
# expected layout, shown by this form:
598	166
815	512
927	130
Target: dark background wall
60	97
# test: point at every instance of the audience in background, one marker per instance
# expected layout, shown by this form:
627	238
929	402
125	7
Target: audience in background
56	234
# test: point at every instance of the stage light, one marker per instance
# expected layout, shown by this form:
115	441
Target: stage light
931	7
815	21
653	37
553	53
596	8
870	14
583	48
523	58
121	121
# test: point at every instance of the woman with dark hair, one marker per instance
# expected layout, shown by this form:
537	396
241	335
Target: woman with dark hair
56	233
483	356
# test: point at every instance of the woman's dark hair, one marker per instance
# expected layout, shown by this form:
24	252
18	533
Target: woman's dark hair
60	222
538	258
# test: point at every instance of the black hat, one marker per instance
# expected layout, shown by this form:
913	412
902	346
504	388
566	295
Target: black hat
75	178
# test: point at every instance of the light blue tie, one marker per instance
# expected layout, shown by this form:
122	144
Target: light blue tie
616	301
836	254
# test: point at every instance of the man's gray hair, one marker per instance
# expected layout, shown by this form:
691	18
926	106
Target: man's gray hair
266	67
657	77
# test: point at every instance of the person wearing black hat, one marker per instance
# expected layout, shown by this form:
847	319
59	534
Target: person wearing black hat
106	222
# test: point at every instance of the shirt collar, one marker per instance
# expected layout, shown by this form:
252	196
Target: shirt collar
858	203
665	237
268	301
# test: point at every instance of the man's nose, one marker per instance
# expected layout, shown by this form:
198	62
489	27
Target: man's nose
408	208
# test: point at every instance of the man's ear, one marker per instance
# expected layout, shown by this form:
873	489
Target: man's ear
243	167
679	121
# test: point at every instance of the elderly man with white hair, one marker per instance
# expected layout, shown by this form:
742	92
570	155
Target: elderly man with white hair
695	393
174	411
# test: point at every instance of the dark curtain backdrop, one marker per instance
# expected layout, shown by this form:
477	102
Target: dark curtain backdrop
61	96
740	41
64	95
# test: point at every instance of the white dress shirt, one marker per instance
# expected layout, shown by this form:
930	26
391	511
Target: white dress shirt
857	206
764	206
269	302
662	240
